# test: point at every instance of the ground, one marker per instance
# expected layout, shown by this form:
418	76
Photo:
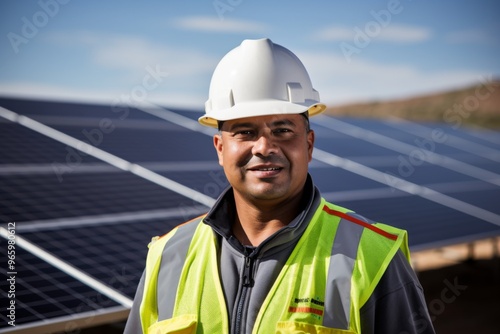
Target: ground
463	289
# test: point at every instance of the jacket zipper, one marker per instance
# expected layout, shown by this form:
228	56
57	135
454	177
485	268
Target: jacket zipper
247	285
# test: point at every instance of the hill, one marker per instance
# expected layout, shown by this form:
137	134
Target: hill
474	106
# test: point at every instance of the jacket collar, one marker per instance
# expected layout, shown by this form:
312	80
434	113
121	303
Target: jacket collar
222	216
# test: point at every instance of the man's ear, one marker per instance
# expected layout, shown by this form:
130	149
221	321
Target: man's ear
218	147
310	143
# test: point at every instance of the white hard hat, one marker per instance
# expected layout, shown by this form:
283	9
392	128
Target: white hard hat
259	78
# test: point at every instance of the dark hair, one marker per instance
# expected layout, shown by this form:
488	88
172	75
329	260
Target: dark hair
308	125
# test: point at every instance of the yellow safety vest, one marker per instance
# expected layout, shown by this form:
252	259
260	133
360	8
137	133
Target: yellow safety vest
330	274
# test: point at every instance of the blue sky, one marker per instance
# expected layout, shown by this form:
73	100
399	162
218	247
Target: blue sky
354	50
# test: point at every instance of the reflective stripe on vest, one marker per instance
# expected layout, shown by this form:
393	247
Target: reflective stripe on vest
327	278
344	250
172	262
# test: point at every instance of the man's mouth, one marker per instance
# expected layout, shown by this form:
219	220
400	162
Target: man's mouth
262	172
266	169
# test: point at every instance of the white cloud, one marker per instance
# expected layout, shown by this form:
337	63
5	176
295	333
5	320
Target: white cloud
136	54
339	81
335	33
396	33
404	33
212	24
133	54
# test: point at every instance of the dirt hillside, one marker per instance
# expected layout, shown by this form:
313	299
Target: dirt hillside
477	105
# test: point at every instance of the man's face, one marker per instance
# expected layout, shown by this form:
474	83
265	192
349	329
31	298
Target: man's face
265	158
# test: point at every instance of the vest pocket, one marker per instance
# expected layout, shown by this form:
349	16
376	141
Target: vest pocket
294	327
183	324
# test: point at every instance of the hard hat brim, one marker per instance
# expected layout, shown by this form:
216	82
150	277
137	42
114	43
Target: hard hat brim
260	108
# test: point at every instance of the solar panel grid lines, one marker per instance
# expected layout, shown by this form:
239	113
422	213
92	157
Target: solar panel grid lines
112	218
169	184
489	198
143	145
424	152
101	167
23	146
451	139
89	122
175	118
43	292
99	218
107	157
113	253
387	192
485	135
72	323
407	186
21	242
441	134
26	195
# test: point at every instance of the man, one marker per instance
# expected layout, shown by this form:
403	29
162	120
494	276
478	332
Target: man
272	255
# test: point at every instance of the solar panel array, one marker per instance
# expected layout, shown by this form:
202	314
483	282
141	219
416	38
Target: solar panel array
85	187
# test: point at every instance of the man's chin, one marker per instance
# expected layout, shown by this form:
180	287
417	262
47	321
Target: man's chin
268	192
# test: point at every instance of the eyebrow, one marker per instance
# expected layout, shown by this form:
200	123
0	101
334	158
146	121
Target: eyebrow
247	125
237	126
282	122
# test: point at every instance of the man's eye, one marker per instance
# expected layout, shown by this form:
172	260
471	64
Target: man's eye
243	133
282	130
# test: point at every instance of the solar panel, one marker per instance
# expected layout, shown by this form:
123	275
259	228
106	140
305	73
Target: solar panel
42	292
24	146
89	213
113	253
43	196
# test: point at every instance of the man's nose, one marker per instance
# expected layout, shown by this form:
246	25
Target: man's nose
264	146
